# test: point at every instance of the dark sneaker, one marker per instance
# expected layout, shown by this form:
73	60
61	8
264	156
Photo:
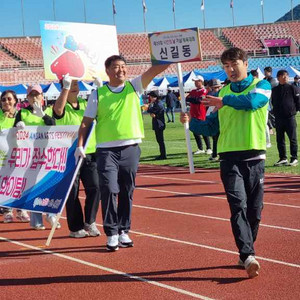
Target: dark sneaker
281	162
112	243
124	240
294	162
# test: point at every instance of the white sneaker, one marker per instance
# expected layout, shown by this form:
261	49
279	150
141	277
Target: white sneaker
23	216
269	145
8	217
51	220
252	266
281	162
112	243
199	151
124	240
294	162
92	229
78	234
209	151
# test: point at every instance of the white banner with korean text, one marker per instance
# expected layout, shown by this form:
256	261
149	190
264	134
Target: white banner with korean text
37	165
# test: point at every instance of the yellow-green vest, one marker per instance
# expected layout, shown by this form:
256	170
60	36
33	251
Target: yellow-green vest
241	130
119	115
32	120
6	122
74	117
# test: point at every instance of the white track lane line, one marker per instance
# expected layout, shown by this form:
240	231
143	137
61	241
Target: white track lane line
214	182
214	197
109	270
210	217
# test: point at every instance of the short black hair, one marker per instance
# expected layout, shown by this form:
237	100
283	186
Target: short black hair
254	73
233	54
268	69
113	58
282	72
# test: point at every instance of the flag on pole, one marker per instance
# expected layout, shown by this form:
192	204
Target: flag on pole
173	5
144	6
231	4
202	5
114	8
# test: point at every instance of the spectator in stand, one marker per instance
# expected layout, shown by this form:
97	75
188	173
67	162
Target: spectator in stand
198	111
215	86
8	112
157	112
119	130
171	100
36	114
296	81
286	103
69	110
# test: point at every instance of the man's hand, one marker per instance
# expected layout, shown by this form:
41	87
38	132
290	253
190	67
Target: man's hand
184	117
79	152
38	109
20	125
152	115
213	101
67	81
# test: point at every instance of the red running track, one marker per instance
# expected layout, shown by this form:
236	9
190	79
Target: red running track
183	247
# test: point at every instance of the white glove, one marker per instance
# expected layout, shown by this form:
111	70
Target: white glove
79	152
67	80
38	109
20	125
98	82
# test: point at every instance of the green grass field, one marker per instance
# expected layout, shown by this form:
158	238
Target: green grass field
177	151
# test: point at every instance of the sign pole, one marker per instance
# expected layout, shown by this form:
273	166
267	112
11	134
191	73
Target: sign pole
186	125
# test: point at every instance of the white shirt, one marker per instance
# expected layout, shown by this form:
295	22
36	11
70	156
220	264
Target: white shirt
92	108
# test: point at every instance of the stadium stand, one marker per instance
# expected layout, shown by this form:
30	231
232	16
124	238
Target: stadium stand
21	59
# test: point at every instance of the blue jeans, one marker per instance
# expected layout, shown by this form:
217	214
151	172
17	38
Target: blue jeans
170	109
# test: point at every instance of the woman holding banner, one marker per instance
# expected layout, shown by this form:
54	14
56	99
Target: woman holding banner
8	112
36	114
68	110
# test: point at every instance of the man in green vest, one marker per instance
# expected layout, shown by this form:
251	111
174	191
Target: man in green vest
240	116
69	110
119	130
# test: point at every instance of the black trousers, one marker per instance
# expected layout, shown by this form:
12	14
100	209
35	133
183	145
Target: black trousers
89	177
215	143
244	186
159	134
117	169
288	126
199	141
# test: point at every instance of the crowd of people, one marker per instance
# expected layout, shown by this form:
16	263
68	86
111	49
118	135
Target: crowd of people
237	115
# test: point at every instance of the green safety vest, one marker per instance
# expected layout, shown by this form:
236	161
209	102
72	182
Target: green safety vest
119	115
241	130
6	122
74	117
31	120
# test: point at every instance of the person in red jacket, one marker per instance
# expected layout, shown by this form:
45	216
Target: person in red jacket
198	111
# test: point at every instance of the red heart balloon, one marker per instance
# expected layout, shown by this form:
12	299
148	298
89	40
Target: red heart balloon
68	62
